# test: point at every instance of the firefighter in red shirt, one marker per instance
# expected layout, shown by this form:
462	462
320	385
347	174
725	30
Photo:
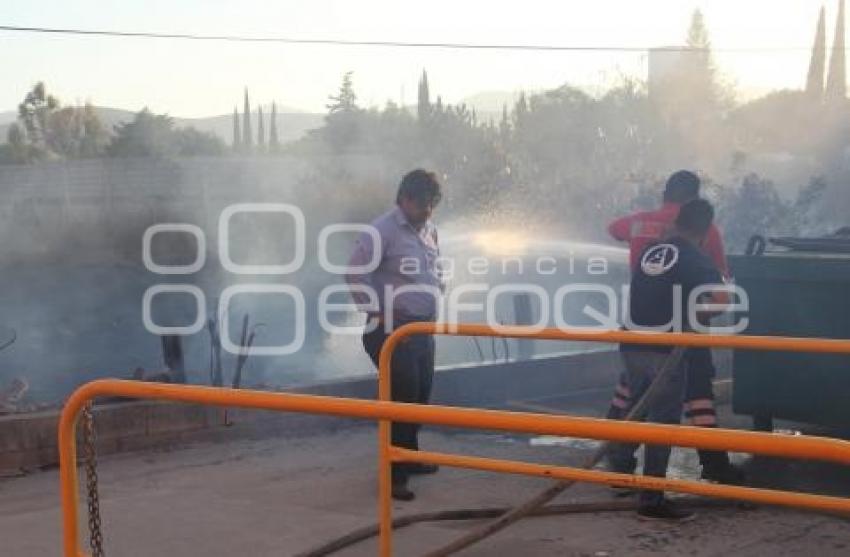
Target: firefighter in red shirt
644	228
640	230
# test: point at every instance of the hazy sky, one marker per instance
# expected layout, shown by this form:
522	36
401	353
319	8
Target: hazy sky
187	78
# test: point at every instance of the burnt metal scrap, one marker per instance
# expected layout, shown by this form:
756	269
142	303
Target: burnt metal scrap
12	395
216	379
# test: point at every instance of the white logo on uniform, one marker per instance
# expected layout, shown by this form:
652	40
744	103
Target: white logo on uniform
659	259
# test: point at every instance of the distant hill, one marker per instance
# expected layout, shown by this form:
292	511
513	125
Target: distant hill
7	118
292	124
492	101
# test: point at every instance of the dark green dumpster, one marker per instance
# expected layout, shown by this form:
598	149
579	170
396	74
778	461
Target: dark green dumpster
794	294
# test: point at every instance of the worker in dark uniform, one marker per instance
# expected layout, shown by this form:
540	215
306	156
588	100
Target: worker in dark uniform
666	274
639	230
408	256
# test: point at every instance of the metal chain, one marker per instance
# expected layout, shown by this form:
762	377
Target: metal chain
93	499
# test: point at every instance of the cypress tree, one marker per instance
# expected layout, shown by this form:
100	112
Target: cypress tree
836	79
247	135
261	130
237	132
274	143
814	81
505	124
698	74
423	108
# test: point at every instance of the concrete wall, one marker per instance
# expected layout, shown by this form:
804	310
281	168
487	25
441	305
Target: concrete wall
71	272
101	207
30	440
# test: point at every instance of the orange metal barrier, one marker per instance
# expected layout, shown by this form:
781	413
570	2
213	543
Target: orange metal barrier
692	437
742	441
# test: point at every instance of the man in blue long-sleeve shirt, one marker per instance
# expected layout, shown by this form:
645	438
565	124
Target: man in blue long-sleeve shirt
406	284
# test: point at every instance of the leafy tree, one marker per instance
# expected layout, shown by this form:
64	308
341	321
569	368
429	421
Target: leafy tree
147	135
15	136
48	130
343	123
95	136
772	123
738	219
17	150
33	114
64	127
809	209
154	135
76	132
345	100
192	142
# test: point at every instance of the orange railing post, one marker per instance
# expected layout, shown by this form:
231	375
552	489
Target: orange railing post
468	329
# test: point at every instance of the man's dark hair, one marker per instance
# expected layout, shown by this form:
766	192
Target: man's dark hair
682	186
695	217
420	186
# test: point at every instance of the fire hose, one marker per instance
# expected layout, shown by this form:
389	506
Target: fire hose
535	506
368	532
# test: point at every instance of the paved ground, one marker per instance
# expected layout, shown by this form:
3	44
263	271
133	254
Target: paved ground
282	496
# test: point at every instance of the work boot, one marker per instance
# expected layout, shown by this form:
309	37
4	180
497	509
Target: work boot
401	492
623	490
726	473
665	510
622	467
716	467
421	468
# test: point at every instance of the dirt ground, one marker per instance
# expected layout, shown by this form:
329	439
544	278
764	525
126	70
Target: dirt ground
285	495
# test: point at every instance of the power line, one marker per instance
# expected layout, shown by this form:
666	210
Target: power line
390	44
